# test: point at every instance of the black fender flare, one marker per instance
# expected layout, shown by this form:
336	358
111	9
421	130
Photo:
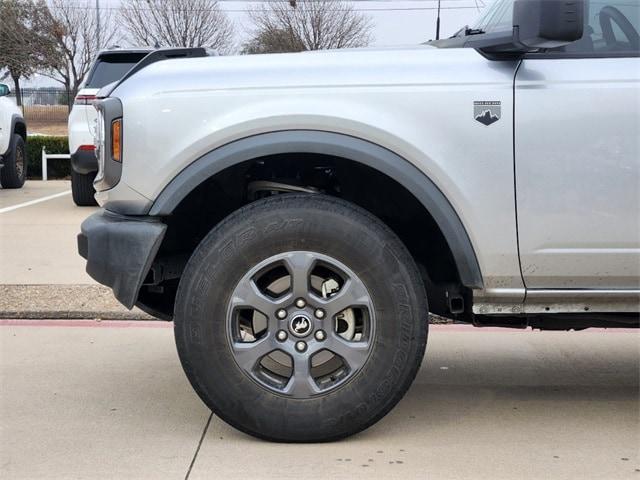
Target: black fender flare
339	145
18	120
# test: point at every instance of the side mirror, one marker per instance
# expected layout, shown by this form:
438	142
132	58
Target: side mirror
4	90
547	23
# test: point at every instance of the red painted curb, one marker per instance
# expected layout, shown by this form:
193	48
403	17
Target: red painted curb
161	324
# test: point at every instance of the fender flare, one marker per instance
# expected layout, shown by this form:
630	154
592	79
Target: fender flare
17	120
339	145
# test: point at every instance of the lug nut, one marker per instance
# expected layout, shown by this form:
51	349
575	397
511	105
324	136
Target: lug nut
281	335
300	303
320	335
301	346
282	313
319	313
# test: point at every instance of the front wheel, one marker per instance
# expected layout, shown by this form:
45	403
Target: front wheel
14	172
301	318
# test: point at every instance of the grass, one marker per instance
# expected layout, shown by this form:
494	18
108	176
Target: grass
56	129
46	119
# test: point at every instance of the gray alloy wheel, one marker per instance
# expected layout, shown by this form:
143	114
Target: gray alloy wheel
301	324
19	162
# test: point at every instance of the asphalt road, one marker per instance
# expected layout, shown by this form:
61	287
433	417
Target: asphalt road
109	400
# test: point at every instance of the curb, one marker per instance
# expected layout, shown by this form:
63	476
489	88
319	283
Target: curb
67	302
77	302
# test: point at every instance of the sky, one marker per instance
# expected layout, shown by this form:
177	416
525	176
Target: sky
396	22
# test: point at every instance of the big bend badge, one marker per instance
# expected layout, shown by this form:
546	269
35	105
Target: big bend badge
487	113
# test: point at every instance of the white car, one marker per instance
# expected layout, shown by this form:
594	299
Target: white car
110	66
13	138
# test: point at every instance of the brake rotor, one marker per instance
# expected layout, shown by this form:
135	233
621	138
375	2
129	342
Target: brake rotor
345	320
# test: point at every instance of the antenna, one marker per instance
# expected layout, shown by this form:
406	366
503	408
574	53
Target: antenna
438	22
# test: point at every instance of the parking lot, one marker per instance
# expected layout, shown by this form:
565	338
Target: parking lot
108	399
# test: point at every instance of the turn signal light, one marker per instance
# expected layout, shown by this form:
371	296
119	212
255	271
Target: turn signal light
116	140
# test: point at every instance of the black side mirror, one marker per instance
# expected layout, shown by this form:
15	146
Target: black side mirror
4	90
547	23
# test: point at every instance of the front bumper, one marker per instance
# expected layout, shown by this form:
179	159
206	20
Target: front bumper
120	250
84	161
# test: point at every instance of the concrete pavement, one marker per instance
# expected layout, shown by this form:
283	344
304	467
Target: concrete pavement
41	273
109	400
38	241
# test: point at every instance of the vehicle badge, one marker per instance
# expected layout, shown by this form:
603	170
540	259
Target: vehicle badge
487	113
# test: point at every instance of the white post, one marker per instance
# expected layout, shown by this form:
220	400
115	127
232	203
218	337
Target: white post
44	165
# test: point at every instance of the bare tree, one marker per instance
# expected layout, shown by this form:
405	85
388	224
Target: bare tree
25	43
75	32
292	26
178	23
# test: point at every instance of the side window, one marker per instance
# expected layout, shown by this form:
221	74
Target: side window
611	27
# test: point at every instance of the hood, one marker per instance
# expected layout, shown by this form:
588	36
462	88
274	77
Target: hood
348	67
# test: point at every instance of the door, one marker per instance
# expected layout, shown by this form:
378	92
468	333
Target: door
577	156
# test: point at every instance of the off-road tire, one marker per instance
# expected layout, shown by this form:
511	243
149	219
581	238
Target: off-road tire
10	176
299	222
82	189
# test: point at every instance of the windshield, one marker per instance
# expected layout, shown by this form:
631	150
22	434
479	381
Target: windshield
111	68
497	18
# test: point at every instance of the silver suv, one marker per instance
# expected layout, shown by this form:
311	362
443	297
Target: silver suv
297	216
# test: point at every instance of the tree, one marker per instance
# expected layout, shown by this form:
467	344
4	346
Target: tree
178	23
293	26
75	31
274	40
25	43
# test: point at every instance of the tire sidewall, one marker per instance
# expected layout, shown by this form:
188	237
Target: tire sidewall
19	144
8	173
316	224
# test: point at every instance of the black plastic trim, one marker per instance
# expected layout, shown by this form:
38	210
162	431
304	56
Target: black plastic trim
84	161
340	145
576	55
15	121
119	251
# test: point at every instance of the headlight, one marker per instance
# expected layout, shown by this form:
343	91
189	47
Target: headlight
99	143
109	137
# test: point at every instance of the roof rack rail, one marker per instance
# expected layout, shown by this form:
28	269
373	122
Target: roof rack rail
157	56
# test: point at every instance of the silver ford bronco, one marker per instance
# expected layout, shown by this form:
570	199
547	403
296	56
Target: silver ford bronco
299	215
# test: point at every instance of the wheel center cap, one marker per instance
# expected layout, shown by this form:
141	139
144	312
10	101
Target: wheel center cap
300	325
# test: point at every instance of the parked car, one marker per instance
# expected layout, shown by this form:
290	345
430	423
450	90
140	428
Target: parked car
109	66
298	215
13	139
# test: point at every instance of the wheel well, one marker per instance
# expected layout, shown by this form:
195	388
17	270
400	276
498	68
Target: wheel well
21	129
228	190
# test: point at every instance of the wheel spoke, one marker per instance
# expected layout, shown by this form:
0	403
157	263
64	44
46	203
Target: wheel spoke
249	354
301	384
353	353
352	294
299	265
247	294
